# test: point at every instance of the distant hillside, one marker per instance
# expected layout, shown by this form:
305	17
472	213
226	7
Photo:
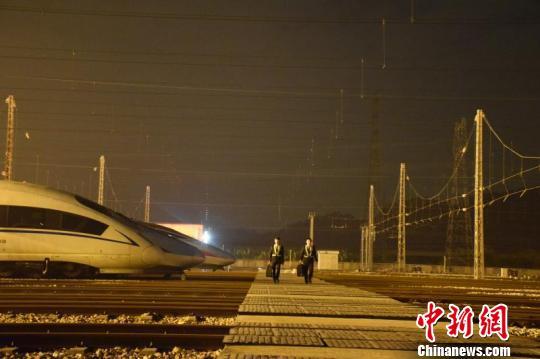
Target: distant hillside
512	236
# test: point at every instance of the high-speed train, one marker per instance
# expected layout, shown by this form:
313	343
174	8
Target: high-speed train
52	231
214	257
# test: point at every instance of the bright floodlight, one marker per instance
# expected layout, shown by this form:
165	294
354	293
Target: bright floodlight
206	237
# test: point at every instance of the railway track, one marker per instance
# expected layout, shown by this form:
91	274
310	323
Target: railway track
202	294
522	297
44	336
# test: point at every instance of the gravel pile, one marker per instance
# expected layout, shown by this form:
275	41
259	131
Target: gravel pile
145	318
524	332
175	353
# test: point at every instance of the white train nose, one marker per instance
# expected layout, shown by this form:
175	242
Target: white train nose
151	255
155	257
180	261
192	261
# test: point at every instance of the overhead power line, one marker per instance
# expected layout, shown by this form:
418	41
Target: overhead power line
269	19
76	51
96	87
218	174
352	65
507	146
178	118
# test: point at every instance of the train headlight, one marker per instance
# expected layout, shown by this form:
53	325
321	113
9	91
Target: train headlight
206	237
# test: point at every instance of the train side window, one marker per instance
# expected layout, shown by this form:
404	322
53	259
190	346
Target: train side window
43	218
53	219
75	223
26	217
3	216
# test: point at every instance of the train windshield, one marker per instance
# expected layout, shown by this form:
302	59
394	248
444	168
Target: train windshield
175	234
165	242
152	235
184	237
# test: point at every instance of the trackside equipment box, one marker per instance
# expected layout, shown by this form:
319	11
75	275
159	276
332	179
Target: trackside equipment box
328	260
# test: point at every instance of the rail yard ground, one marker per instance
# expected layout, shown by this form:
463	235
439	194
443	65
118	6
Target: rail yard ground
121	317
193	318
521	296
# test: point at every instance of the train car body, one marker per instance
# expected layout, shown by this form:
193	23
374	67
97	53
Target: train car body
56	229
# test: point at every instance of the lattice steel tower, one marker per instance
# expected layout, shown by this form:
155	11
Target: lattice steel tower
459	233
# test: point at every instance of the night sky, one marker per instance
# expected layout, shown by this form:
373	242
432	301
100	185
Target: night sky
231	110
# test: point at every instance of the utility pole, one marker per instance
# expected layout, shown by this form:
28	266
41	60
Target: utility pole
361	258
10	138
311	217
478	200
363	248
371	228
401	257
147	205
101	185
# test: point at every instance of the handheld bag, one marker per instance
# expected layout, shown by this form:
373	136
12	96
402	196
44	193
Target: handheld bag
300	270
269	270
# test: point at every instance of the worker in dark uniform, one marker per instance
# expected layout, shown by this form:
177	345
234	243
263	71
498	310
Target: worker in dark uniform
308	258
277	258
